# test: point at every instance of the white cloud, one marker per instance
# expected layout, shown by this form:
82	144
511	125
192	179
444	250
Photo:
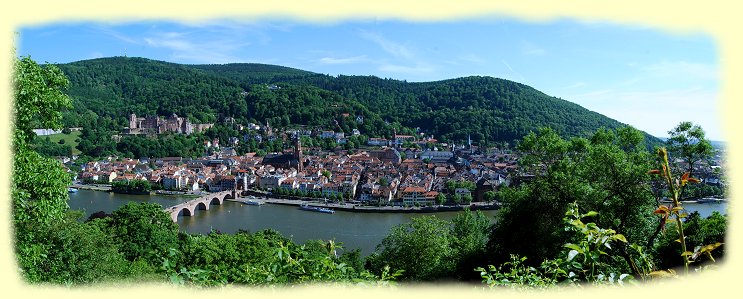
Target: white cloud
401	69
117	35
395	49
514	76
192	48
531	49
575	85
345	60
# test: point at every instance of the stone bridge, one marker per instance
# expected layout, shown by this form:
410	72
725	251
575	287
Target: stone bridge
202	203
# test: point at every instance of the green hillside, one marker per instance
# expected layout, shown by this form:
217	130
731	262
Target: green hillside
485	108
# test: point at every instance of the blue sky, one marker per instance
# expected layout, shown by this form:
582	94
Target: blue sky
643	76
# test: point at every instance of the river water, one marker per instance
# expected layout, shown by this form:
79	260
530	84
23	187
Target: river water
354	230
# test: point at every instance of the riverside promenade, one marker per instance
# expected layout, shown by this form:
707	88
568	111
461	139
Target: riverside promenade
357	208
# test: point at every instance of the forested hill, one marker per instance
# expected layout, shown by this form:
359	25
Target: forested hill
253	73
489	109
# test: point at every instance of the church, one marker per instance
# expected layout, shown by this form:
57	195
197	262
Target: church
287	159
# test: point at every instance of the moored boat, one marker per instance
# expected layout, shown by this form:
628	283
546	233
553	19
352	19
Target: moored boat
307	207
71	190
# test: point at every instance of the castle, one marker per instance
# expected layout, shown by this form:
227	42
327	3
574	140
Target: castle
153	125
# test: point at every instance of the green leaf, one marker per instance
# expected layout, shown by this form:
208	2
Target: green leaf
590	214
620	237
574	247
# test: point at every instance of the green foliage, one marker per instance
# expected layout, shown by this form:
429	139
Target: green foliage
606	173
169	145
133	186
143	231
489	196
39	99
77	253
440	198
586	261
421	248
38	186
698	231
588	254
515	274
687	142
469	237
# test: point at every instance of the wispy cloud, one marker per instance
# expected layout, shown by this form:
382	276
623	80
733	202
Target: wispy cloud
575	85
118	35
343	60
395	49
531	49
516	76
195	49
401	69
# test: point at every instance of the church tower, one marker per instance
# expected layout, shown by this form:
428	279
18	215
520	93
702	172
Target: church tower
298	153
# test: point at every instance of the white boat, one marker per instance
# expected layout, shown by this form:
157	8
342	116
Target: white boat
316	209
252	202
71	190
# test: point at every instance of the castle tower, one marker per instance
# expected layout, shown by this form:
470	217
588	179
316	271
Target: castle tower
132	121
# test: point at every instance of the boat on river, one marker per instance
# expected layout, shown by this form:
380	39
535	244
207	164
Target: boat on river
71	190
252	202
307	207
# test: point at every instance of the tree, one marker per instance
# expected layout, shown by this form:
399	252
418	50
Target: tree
606	173
421	248
440	198
39	100
489	196
38	186
143	231
469	234
79	253
467	198
687	142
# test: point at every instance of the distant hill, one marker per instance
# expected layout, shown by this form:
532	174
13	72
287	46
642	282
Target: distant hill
485	108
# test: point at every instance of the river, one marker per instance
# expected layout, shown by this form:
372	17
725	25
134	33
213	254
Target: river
354	230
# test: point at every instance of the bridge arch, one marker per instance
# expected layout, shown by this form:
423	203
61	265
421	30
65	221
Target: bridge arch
185	211
202	203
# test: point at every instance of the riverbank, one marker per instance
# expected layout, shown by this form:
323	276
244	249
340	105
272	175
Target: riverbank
351	207
107	188
93	187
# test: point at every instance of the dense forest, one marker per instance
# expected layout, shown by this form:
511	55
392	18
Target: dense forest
488	109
